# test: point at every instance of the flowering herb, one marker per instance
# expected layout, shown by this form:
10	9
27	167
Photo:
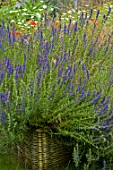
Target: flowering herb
60	75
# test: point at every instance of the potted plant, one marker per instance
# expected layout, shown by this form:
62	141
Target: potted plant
58	82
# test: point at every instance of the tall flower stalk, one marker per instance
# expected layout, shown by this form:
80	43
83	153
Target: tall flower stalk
60	78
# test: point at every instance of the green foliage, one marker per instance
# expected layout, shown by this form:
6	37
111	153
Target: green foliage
59	78
18	14
7	3
9	162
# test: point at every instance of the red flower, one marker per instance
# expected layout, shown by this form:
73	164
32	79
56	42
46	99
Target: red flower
97	23
13	33
16	33
32	23
50	19
92	19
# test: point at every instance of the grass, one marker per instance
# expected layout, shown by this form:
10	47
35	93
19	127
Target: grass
9	163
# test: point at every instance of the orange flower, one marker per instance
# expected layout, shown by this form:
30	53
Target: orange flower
16	33
32	23
71	26
50	19
92	19
56	24
96	23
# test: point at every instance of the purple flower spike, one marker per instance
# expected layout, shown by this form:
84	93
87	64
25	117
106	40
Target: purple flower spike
84	37
105	165
41	36
95	99
75	27
109	11
20	69
47	47
52	45
97	15
103	99
103	110
59	80
53	31
51	95
39	78
74	69
83	67
3	117
2	75
88	74
98	140
9	36
24	56
24	67
36	96
106	107
64	56
16	77
69	70
65	28
91	12
104	16
104	124
3	97
7	63
110	118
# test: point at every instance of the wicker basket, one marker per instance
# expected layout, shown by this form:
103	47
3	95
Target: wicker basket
40	151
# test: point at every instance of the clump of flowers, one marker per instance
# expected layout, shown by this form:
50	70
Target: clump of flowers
60	79
18	14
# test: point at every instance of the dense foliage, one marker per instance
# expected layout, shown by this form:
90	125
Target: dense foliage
58	75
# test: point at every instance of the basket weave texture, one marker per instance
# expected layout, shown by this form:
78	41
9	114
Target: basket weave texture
40	151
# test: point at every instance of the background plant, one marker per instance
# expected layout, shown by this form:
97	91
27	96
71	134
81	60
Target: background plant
60	78
18	15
